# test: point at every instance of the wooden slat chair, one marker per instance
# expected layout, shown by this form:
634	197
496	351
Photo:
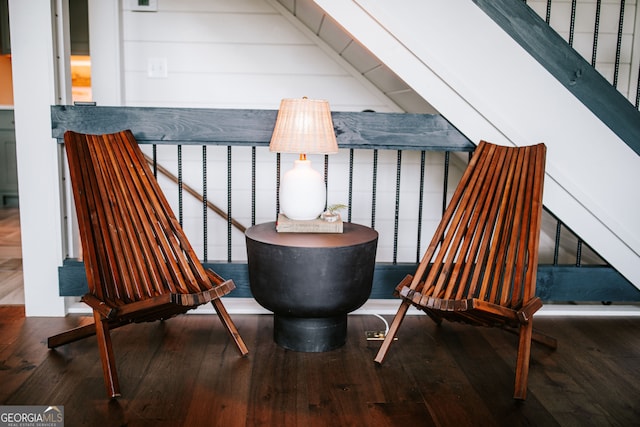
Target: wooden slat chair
139	263
480	267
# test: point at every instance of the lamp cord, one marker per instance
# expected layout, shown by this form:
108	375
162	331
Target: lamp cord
386	324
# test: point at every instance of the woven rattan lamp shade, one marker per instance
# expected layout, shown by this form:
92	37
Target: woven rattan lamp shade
304	126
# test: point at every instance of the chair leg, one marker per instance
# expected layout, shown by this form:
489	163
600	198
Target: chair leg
393	329
229	325
522	362
71	335
106	355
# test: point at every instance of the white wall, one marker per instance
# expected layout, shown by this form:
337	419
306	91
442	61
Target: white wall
232	54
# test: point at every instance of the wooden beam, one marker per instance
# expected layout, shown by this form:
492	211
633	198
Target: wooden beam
197	126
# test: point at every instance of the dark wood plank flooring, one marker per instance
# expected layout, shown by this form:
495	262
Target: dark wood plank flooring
186	372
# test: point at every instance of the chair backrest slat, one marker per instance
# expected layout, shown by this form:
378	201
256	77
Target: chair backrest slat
484	268
134	246
133	220
102	233
83	185
117	209
502	232
535	222
479	211
157	269
190	275
438	236
514	263
486	246
463	226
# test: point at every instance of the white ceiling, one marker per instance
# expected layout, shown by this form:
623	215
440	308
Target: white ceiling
368	65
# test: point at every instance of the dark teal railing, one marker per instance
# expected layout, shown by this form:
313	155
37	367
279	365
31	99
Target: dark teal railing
355	131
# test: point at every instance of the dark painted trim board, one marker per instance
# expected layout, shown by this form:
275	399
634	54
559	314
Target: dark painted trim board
555	283
529	30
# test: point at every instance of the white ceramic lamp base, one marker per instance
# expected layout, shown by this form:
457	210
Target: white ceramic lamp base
302	192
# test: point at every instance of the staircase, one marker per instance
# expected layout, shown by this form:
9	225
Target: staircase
490	87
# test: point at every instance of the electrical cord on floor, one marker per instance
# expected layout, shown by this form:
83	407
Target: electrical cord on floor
386	324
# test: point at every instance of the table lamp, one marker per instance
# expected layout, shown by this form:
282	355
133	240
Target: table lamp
303	126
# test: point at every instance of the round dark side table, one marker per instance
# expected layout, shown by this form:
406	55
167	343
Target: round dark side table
311	281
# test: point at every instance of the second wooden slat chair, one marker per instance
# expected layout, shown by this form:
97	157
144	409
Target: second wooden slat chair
480	267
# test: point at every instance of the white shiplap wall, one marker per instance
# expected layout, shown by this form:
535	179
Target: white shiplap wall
233	54
251	54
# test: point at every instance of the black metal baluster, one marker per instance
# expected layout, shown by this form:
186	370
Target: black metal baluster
446	181
420	204
204	203
396	218
180	185
154	151
253	185
350	197
616	69
572	24
229	214
548	15
638	90
373	189
556	247
596	32
579	253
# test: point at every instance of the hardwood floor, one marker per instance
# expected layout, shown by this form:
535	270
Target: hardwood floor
11	288
186	372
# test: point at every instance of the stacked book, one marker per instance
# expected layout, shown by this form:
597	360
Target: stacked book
318	225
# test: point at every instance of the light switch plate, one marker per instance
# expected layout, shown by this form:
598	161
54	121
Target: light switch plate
157	68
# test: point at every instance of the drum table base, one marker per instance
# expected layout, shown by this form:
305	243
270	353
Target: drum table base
310	334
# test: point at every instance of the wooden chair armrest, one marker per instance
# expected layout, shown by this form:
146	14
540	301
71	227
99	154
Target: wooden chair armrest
100	306
526	312
405	282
